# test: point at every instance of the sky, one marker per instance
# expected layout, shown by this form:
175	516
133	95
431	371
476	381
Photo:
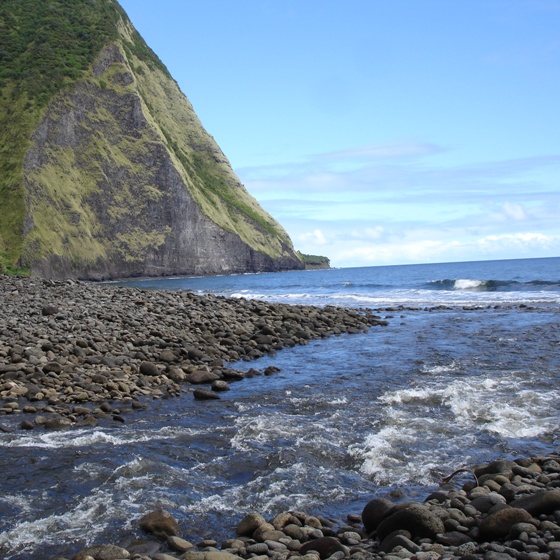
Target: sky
380	132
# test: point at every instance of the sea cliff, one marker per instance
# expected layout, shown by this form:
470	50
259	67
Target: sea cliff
109	173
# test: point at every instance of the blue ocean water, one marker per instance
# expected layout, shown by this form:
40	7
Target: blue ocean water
467	370
484	282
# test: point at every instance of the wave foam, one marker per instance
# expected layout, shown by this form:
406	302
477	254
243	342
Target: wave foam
466	284
96	436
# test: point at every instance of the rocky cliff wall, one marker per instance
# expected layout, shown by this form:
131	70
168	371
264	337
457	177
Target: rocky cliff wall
122	180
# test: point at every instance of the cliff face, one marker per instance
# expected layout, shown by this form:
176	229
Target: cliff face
118	178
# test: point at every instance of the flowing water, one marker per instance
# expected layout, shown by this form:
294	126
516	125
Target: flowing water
467	370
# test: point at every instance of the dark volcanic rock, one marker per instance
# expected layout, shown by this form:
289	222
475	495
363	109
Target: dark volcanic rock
374	512
205	395
541	502
499	524
325	546
418	520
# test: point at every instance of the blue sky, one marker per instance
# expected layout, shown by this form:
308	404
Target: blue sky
380	131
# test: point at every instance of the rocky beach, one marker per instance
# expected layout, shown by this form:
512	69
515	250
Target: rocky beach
75	355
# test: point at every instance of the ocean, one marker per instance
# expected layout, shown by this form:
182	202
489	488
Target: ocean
467	370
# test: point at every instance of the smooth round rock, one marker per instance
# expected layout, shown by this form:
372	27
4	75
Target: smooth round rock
374	512
325	546
159	523
500	523
418	520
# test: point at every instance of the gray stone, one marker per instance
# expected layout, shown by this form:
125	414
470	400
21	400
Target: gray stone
419	520
374	512
178	544
159	523
249	524
205	395
398	538
325	546
150	369
103	552
542	502
499	524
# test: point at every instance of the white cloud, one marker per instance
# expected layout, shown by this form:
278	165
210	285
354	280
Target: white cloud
524	242
397	204
369	233
515	211
316	237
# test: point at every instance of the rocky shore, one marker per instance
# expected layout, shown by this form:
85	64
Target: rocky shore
75	354
508	509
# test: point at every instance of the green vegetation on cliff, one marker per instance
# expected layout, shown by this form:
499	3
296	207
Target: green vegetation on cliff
94	135
314	261
44	47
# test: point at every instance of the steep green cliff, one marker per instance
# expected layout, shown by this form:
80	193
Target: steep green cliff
105	169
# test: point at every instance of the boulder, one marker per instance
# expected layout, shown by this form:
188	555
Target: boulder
159	523
249	524
499	524
325	546
539	503
374	512
416	519
103	552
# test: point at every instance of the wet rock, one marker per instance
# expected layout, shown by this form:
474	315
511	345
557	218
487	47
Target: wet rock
57	423
159	523
249	524
205	395
374	512
220	385
201	376
150	369
103	552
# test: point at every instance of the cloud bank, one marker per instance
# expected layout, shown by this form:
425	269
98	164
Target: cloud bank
409	203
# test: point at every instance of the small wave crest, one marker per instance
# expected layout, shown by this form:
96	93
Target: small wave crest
96	436
463	284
